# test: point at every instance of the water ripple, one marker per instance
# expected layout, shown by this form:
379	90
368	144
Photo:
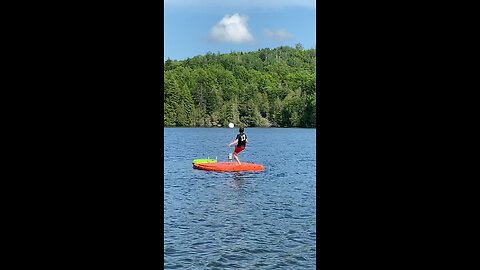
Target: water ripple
242	220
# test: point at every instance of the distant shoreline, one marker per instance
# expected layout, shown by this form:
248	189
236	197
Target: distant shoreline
237	127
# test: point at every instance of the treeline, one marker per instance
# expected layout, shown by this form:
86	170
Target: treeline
269	87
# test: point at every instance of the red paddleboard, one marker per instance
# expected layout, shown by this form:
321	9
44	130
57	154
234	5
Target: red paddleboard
228	166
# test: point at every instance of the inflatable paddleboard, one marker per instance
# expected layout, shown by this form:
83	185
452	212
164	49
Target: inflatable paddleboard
203	160
228	166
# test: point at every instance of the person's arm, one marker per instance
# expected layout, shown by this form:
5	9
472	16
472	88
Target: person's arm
235	141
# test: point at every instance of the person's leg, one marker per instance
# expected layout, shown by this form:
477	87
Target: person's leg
236	158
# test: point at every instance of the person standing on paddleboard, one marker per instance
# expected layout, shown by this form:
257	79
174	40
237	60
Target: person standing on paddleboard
241	141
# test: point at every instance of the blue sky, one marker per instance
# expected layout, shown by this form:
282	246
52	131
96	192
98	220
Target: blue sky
195	27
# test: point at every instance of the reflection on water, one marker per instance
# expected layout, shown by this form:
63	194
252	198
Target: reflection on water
237	180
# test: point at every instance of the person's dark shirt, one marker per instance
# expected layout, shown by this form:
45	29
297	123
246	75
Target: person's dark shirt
242	139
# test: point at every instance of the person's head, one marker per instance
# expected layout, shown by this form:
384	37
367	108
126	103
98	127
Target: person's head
240	130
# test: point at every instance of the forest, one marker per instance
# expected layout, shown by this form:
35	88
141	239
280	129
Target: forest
266	88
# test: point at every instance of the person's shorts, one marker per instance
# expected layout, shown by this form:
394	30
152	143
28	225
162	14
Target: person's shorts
239	149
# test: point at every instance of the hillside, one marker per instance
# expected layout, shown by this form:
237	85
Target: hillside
269	87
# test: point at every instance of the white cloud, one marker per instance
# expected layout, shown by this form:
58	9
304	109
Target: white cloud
232	29
280	34
241	3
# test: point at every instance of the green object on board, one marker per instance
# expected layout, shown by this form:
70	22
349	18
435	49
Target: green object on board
204	160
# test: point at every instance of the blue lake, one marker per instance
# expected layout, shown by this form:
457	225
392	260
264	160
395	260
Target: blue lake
240	220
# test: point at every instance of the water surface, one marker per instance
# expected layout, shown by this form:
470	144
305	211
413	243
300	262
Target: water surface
241	220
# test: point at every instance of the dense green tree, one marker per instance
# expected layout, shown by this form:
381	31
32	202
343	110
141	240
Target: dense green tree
270	87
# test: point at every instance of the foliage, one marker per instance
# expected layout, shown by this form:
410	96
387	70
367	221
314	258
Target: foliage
269	87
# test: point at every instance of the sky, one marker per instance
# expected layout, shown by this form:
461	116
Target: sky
196	27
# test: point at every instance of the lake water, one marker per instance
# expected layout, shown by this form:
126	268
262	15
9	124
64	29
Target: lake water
240	220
